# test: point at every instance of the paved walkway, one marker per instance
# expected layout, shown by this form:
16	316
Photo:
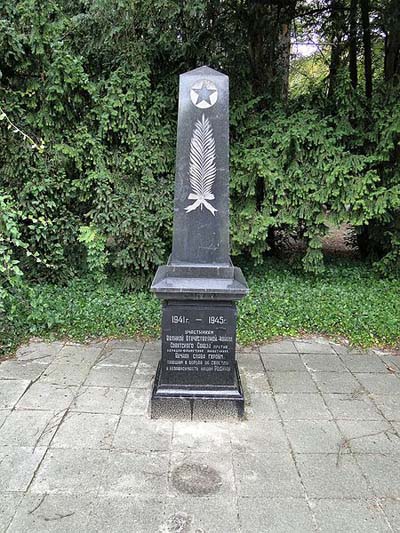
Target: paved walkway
319	451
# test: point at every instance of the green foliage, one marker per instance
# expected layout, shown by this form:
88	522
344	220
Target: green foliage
349	301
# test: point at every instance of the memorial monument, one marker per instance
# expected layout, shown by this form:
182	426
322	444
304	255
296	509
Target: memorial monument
199	286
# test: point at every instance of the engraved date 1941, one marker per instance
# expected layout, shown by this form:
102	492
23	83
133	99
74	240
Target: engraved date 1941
179	319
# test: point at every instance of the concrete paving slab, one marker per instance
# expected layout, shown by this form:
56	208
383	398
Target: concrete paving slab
13	369
70	472
109	377
47	396
316	362
128	344
42	513
120	358
363	362
199	474
388	405
9	502
144	375
379	383
144	475
370	436
17	467
3	415
79	354
254	382
283	362
61	373
29	428
392	511
283	346
103	400
258	438
126	514
314	346
201	437
142	435
186	514
261	407
336	382
302	406
357	516
39	352
382	472
11	391
352	407
137	402
332	476
267	474
251	362
292	382
313	436
275	515
86	430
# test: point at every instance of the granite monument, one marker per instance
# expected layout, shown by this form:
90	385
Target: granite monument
199	286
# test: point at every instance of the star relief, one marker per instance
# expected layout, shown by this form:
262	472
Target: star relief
204	93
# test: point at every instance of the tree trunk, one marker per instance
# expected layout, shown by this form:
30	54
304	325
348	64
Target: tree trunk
392	41
367	47
337	31
353	43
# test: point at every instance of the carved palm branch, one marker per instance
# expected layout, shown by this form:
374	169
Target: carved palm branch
202	169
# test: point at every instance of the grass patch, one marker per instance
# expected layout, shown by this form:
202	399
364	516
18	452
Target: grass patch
347	301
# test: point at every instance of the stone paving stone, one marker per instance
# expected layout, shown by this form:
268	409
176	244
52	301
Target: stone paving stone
255	437
313	436
9	502
348	407
185	477
267	474
29	428
3	415
17	466
40	513
39	352
302	407
261	407
135	474
11	391
380	383
109	377
275	515
81	355
389	405
283	362
332	476
383	473
142	435
137	402
357	516
322	346
369	436
316	362
119	358
284	346
201	437
60	373
47	396
70	472
86	430
392	511
255	382
126	514
339	382
187	514
126	344
292	382
103	400
364	362
13	369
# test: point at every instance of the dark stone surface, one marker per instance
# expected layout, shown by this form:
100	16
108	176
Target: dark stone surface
199	285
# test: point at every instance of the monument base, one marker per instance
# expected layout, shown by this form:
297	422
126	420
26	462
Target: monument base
196	401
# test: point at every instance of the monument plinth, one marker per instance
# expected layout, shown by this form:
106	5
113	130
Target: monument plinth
199	286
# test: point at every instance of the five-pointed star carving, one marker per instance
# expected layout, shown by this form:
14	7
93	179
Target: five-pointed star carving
203	94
